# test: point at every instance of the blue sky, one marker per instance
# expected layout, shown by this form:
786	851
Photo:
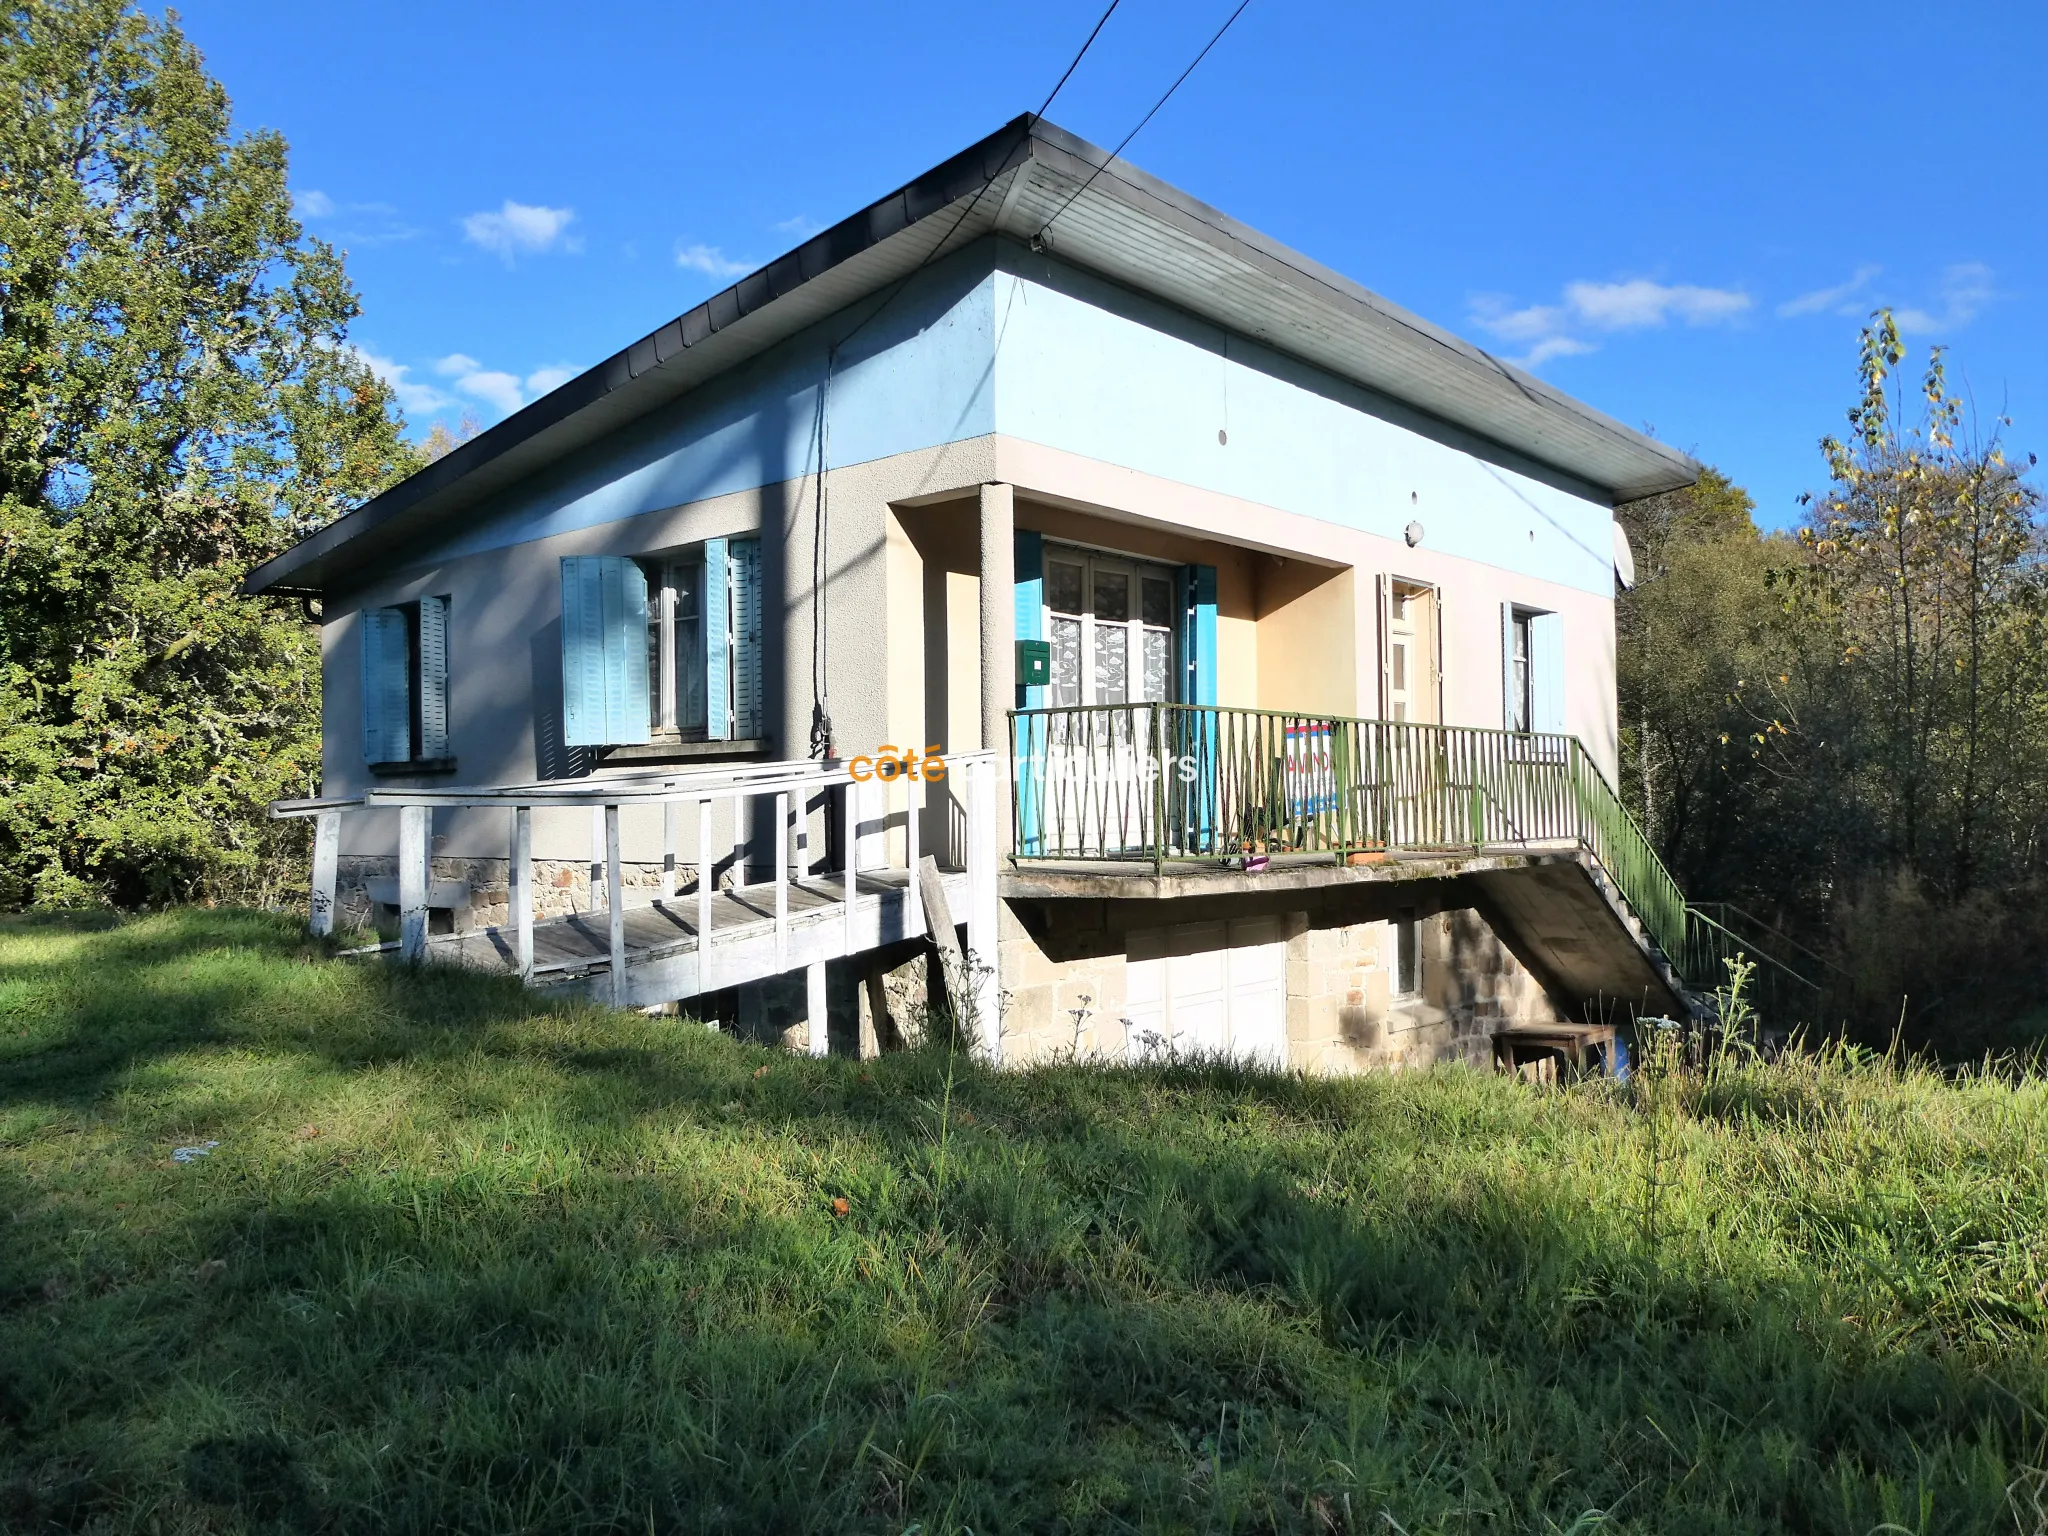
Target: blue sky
1679	213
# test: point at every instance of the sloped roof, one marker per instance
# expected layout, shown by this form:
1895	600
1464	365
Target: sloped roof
1113	219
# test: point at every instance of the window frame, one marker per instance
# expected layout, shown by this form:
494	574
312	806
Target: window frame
417	759
1522	669
1407	966
679	715
1137	569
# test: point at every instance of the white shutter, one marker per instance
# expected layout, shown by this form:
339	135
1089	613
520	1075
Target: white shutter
1258	992
387	686
433	677
749	715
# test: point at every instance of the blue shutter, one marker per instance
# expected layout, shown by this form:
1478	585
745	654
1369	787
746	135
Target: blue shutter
1198	634
1029	555
1197	735
604	651
1546	672
387	690
1028	742
433	677
717	641
748	715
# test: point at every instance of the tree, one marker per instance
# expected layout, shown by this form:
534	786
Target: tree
177	404
1925	570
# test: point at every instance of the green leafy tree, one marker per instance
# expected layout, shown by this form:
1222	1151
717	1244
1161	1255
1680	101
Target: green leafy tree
177	404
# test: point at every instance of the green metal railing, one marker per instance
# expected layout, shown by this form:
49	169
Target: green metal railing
1165	783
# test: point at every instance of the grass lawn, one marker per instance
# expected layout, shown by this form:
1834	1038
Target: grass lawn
463	1262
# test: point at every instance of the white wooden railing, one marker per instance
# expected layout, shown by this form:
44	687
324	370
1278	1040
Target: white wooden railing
867	847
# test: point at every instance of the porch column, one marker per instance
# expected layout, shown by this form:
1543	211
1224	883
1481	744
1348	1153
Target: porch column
998	619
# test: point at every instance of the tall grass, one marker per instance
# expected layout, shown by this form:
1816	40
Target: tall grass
464	1262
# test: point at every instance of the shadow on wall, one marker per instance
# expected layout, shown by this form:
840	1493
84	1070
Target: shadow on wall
553	758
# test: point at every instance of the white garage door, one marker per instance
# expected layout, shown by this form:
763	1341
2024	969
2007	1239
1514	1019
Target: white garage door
1209	989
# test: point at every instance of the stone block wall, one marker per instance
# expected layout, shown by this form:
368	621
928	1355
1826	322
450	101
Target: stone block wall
1064	973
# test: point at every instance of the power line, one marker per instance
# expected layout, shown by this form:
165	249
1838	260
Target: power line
988	181
821	704
1063	207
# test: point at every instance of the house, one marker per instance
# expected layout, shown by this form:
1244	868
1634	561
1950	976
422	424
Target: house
1275	624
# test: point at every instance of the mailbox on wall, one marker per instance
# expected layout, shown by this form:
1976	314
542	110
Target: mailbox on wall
1034	663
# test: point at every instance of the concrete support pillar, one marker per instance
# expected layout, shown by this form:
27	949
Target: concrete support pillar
998	616
817	1037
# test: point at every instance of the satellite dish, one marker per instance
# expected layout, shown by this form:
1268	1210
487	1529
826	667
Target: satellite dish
1624	560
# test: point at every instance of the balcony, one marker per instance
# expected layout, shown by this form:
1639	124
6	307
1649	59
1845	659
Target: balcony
1161	790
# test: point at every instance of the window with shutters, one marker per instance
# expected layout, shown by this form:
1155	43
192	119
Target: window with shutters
704	642
405	685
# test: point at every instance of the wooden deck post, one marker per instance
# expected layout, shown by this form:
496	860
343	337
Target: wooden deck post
326	857
519	889
596	852
615	898
671	835
819	1039
781	879
704	895
849	806
913	905
984	794
415	863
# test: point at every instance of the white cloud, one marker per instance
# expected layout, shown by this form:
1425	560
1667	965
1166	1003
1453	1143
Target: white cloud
711	261
802	227
413	399
541	380
520	228
351	223
1965	289
1559	330
1843	299
1640	303
456	363
498	390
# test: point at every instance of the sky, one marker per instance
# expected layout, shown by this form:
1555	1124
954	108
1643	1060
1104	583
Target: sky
1681	214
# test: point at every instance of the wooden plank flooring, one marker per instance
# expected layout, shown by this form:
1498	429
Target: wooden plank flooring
581	941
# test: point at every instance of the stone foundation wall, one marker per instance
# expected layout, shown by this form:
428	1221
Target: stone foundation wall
1065	975
561	886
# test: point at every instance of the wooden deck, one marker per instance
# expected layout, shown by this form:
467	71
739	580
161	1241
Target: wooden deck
572	954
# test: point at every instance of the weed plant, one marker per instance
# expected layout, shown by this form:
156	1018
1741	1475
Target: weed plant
464	1261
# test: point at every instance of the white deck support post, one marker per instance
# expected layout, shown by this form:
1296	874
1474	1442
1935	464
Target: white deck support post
781	879
704	895
819	1039
849	803
671	836
519	889
596	852
615	898
415	854
326	858
984	795
913	905
998	618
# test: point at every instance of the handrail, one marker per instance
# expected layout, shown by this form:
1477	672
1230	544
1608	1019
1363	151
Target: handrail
1178	782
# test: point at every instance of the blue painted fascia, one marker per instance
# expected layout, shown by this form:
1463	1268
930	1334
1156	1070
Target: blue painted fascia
917	376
